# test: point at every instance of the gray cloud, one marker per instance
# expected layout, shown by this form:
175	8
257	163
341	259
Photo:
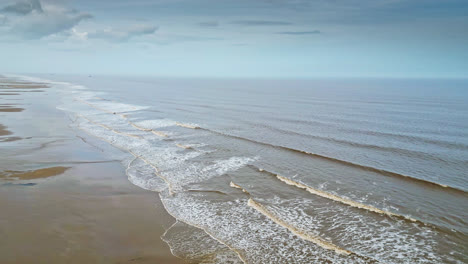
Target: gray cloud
209	24
3	20
122	34
260	23
42	25
32	20
23	8
313	32
169	39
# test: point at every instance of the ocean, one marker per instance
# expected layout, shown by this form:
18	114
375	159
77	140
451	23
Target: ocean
290	171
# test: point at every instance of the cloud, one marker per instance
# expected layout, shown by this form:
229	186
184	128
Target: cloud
313	32
41	25
208	24
3	20
23	8
171	38
121	35
32	20
260	23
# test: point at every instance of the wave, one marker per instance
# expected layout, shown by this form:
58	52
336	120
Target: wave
156	170
375	238
218	167
304	235
300	233
406	138
110	128
195	245
124	116
343	162
234	185
192	126
219	216
183	146
334	197
337	121
157	133
96	107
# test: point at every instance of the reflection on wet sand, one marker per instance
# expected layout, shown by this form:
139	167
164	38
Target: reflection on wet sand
22	86
4	131
9	87
33	174
11	109
9	139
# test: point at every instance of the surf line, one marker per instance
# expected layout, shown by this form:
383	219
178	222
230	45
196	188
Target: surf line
191	126
156	171
233	185
314	239
238	252
98	108
338	161
157	133
296	231
109	128
340	199
210	257
184	146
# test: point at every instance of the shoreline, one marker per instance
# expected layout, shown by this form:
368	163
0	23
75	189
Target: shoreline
64	201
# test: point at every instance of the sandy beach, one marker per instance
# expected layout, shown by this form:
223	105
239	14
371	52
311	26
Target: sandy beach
62	199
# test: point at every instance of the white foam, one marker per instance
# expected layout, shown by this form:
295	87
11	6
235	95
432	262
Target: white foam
256	238
155	123
298	232
143	175
188	125
380	238
234	163
171	163
338	198
196	245
182	174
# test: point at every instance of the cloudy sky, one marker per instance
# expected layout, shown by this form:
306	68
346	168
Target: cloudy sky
236	38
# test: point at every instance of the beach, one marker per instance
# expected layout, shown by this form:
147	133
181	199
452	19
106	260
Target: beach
61	199
326	171
234	132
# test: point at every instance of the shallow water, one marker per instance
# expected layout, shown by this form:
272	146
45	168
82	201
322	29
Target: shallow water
292	171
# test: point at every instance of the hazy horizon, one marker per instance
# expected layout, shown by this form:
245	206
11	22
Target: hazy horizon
239	39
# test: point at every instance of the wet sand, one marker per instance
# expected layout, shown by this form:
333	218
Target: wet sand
12	109
62	199
4	131
33	174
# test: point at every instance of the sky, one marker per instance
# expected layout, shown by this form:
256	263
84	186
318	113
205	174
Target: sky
236	38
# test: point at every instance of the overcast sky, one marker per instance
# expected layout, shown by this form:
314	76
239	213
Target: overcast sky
236	38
